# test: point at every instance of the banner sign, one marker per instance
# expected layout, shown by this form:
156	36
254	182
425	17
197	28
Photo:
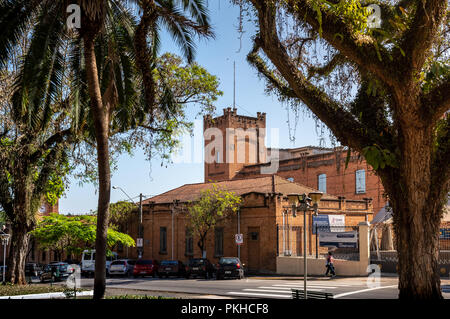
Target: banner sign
444	233
328	223
347	239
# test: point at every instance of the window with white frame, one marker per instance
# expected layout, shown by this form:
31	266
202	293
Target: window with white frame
218	160
322	183
360	181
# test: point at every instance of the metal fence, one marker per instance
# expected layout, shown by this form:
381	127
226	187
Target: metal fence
444	239
342	241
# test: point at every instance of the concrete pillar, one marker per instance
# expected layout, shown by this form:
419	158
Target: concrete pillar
364	247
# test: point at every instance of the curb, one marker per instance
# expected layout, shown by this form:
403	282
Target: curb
52	295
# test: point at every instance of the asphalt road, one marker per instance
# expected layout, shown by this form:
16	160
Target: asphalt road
255	287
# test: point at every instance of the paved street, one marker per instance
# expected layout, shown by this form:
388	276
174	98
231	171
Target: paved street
257	287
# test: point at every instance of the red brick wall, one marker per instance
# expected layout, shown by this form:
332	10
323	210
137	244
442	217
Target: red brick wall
258	211
341	181
225	171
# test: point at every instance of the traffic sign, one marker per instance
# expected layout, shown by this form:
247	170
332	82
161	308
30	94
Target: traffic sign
239	239
139	242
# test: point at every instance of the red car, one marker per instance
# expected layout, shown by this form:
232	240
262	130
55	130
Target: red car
145	267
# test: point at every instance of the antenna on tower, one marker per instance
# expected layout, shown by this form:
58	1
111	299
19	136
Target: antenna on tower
234	84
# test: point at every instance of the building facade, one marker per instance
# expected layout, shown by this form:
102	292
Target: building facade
234	145
264	209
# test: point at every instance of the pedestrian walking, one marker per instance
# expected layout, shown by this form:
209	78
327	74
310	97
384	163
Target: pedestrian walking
330	265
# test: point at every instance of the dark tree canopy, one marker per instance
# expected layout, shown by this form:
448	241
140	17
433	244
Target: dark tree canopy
382	90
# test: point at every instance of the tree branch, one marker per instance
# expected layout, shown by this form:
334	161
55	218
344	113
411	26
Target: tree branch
363	51
325	70
6	200
343	124
419	38
54	139
437	101
254	59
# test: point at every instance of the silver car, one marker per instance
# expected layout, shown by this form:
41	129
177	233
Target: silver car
122	267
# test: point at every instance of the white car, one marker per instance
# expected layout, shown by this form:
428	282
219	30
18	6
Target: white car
123	267
88	262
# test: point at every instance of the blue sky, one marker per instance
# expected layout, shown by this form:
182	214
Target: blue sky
136	175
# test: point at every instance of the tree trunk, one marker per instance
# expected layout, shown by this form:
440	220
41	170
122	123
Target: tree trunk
101	124
386	238
18	253
417	202
201	243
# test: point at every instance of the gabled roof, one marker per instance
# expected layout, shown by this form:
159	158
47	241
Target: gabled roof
264	185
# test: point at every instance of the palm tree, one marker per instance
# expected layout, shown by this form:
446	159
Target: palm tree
102	63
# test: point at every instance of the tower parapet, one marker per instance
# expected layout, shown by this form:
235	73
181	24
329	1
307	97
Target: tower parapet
229	152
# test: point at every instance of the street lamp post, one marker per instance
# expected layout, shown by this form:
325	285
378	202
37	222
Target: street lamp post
5	239
141	226
305	205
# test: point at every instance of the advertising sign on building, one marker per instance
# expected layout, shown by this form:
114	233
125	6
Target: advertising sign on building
444	233
338	239
329	223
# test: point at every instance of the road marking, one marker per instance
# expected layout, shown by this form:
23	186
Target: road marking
307	286
289	288
258	294
268	290
323	284
363	290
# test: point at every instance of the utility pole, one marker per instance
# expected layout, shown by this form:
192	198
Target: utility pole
141	230
140	239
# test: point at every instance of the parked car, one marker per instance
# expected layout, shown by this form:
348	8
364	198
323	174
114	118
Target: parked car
33	269
230	267
56	271
88	262
145	267
123	267
172	268
200	267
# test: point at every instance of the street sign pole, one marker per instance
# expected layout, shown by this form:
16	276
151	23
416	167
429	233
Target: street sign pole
305	264
239	231
140	225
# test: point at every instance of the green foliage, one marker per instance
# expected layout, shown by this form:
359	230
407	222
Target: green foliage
74	233
213	205
353	12
120	213
379	158
16	290
436	72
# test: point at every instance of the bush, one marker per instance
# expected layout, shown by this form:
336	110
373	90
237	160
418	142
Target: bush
15	290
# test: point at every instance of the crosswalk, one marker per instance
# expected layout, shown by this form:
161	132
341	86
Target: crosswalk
283	290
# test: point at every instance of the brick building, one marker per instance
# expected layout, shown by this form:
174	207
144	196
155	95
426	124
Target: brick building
320	168
166	227
235	156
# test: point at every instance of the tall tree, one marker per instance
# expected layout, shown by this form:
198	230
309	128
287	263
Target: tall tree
154	14
38	126
71	235
103	58
213	206
314	51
